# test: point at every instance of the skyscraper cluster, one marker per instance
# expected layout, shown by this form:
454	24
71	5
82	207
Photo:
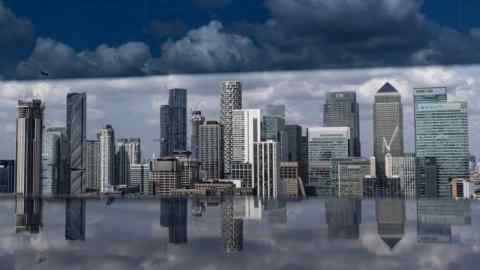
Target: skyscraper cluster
252	147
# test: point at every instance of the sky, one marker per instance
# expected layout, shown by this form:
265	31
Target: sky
132	105
92	38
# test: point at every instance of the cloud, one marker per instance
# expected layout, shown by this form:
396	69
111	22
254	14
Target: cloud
59	60
211	4
16	39
206	49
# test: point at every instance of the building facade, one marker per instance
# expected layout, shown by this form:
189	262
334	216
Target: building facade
246	132
77	135
347	176
56	173
7	176
230	99
173	123
140	176
165	175
122	162
106	137
266	170
92	172
342	110
134	150
404	168
211	150
197	120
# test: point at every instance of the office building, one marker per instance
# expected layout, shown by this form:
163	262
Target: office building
106	137
165	175
347	176
7	176
461	188
294	142
429	95
246	131
342	110
273	128
319	176
266	170
77	135
426	171
344	217
442	132
328	143
390	221
230	99
197	120
290	176
404	168
122	162
304	156
29	147
387	126
55	157
92	172
243	172
211	150
75	219
140	177
190	173
134	150
173	123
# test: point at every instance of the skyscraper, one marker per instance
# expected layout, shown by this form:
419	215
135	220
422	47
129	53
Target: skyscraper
390	221
56	162
294	142
134	151
7	176
166	175
77	135
426	171
140	176
273	128
197	120
122	163
404	168
442	132
230	99
29	147
106	137
347	175
211	149
173	123
92	172
387	126
266	170
246	131
342	110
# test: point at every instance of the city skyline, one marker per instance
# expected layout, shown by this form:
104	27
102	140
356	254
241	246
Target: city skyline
104	105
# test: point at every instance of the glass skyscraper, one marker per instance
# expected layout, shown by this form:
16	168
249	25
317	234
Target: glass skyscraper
442	132
173	123
342	110
77	135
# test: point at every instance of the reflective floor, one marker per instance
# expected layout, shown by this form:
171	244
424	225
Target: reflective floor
239	233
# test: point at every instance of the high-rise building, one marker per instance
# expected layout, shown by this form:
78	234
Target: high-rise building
273	128
190	173
230	99
390	220
294	142
106	137
173	123
197	120
426	171
246	131
325	144
243	172
211	150
29	147
342	110
344	217
266	170
347	176
92	172
328	143
140	176
77	135
55	156
134	151
404	168
442	132
387	126
7	176
165	175
122	163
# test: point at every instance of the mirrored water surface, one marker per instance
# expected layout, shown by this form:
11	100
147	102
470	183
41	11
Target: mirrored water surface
238	233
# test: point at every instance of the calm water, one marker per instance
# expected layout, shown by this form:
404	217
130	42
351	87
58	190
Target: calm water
239	233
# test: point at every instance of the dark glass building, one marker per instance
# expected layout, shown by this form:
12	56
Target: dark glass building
173	123
7	176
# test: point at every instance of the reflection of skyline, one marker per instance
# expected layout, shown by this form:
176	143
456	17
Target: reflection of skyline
75	219
173	215
343	218
28	212
232	228
391	218
435	219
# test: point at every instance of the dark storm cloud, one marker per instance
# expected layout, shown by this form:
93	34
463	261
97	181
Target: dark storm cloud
60	60
16	39
211	4
167	29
